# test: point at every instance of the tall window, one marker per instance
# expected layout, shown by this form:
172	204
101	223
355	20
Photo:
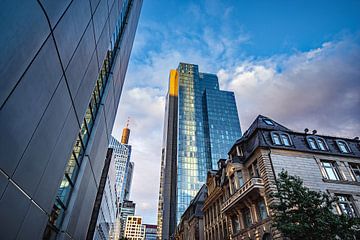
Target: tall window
330	170
343	147
233	185
285	139
322	144
355	170
254	170
240	178
276	138
346	205
235	224
312	143
247	217
261	208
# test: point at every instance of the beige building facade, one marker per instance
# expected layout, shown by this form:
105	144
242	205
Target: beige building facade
239	193
134	229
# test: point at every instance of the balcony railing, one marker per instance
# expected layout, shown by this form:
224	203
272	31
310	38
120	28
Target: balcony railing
255	182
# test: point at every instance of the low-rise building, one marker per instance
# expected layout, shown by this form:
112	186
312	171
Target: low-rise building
239	193
150	231
134	229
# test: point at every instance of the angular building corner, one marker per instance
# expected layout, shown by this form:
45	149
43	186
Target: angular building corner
61	86
201	122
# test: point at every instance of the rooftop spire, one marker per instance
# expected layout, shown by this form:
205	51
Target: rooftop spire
126	133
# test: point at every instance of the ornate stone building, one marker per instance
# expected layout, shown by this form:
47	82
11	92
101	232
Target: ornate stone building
191	226
237	206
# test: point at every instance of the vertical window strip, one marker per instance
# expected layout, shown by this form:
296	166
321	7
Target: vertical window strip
73	164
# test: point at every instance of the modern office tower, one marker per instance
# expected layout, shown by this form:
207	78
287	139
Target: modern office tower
105	212
127	209
150	232
134	229
124	168
63	66
201	123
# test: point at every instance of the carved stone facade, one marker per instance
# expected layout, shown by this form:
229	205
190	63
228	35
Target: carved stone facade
191	226
215	225
239	193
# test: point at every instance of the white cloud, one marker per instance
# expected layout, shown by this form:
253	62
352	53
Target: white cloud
317	89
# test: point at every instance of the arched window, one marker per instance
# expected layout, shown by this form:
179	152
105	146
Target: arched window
312	143
266	236
285	139
276	138
322	144
343	147
280	138
317	143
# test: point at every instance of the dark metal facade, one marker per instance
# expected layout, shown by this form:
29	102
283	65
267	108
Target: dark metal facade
63	65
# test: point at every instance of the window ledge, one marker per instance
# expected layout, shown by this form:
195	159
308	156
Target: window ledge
341	182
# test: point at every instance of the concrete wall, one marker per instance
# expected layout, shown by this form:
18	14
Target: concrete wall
51	55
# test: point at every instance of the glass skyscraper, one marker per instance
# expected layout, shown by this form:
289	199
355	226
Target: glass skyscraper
201	124
123	166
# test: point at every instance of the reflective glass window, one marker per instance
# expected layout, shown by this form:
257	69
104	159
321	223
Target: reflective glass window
72	168
276	138
262	210
240	178
355	170
285	139
84	134
268	122
247	217
64	190
342	145
346	205
89	119
331	170
235	224
312	143
321	144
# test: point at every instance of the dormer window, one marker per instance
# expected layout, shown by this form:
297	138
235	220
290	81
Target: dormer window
343	147
285	139
317	143
276	138
312	143
322	144
239	151
280	138
268	122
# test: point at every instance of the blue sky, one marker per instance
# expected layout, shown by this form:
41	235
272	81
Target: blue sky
297	62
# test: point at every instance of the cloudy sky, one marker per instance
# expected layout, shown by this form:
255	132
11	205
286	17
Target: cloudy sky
297	63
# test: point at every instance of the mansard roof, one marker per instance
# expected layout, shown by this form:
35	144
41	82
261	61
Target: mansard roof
259	135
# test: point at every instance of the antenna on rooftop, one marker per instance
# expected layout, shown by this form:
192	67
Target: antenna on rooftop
127	122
